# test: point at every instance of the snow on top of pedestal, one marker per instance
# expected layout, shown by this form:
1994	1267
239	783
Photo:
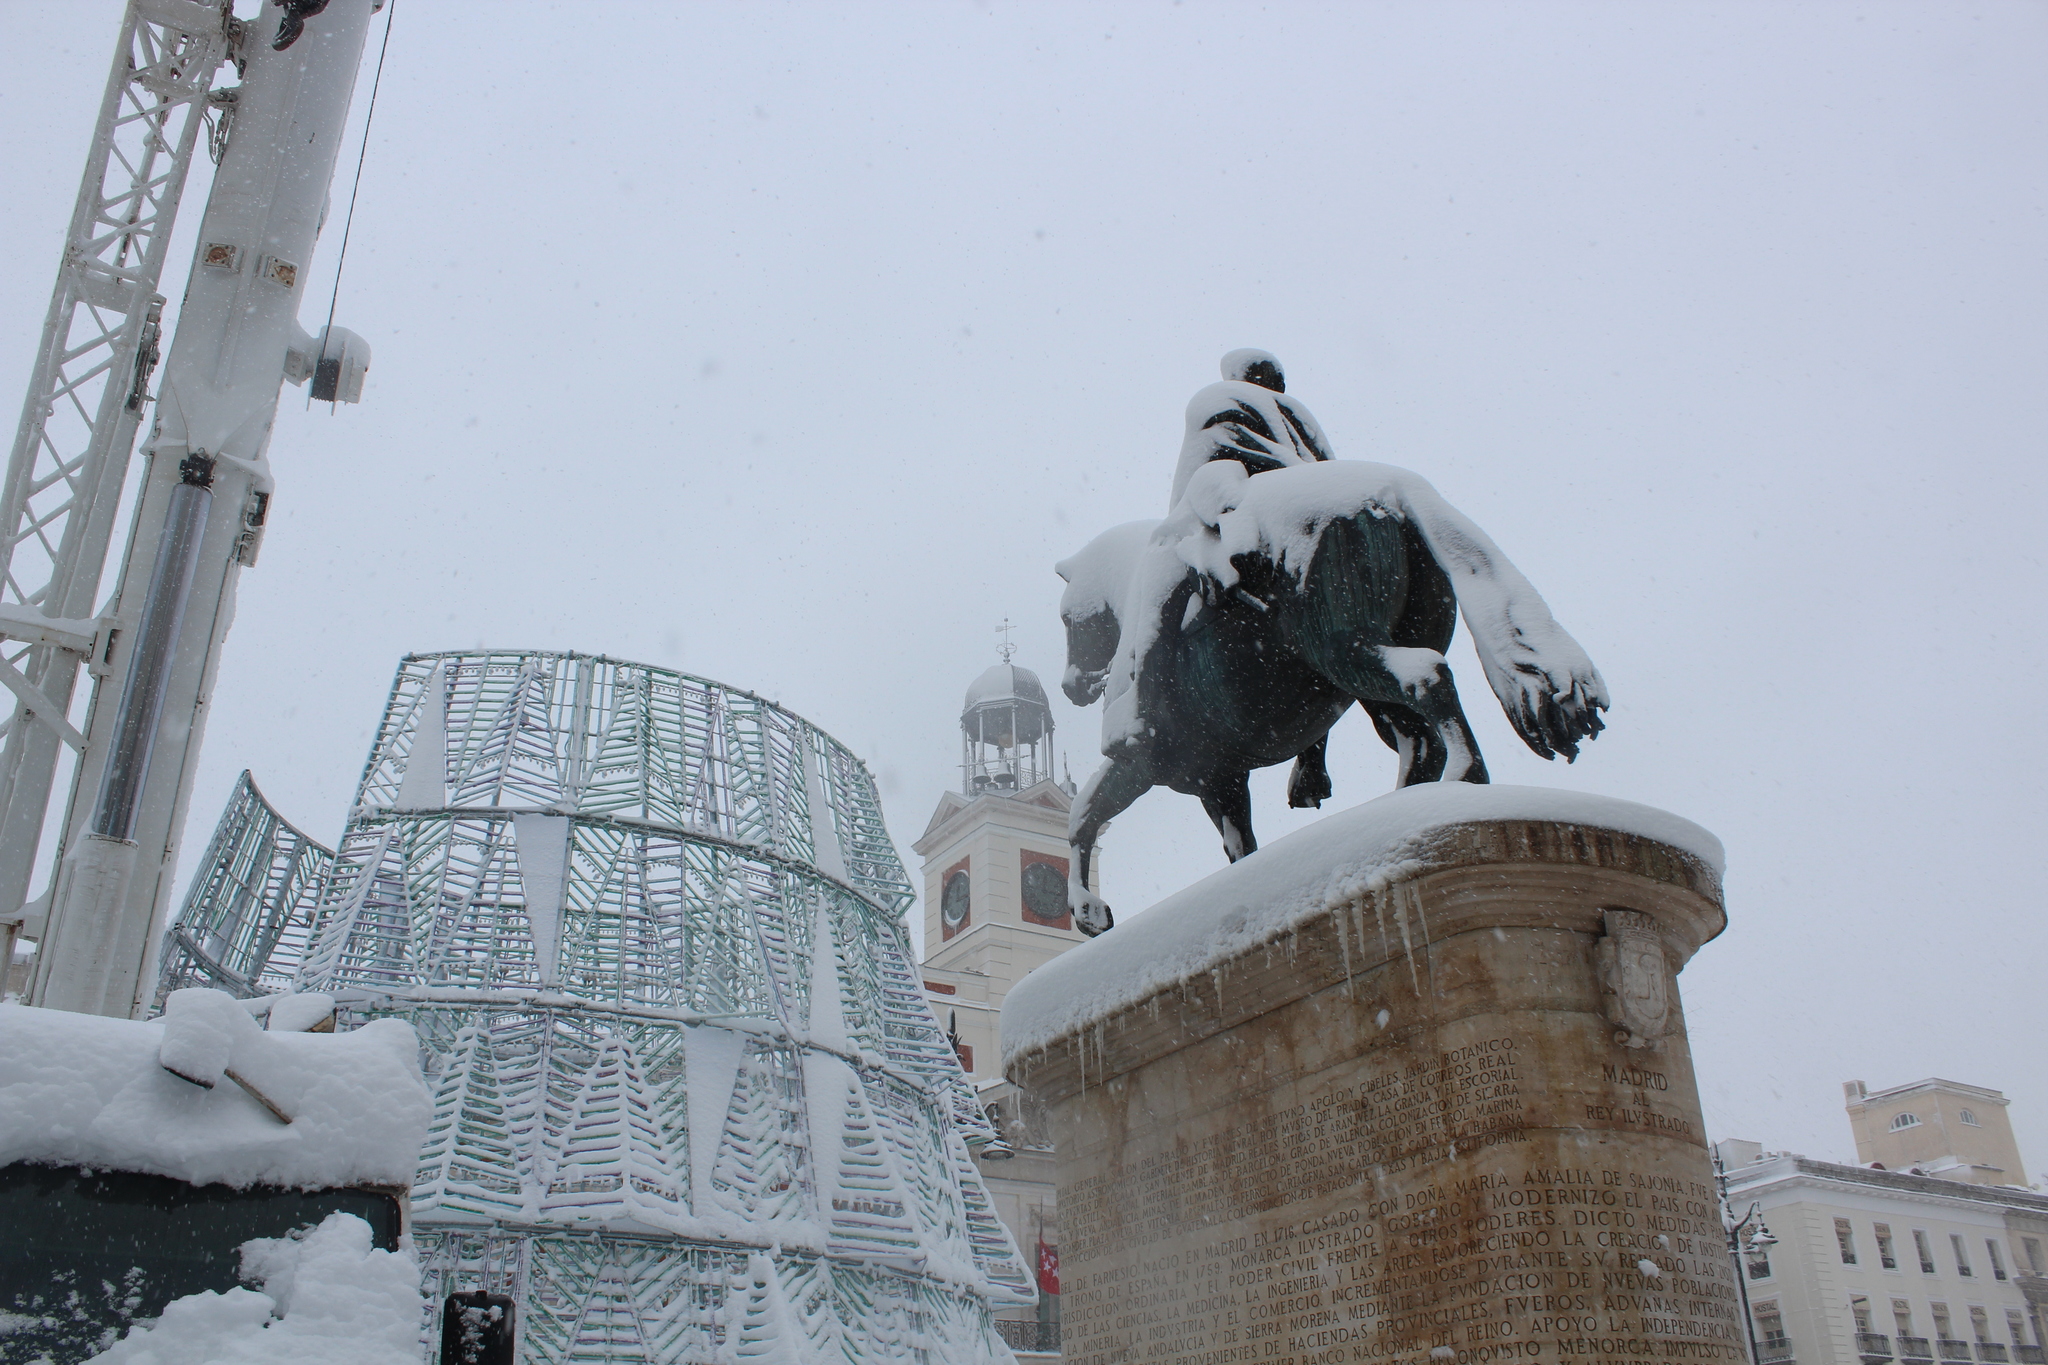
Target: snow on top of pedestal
82	1090
1250	902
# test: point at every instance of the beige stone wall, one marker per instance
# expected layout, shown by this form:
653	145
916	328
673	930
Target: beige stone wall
1411	1130
1986	1146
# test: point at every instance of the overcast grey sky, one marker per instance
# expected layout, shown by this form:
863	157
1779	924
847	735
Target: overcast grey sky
792	344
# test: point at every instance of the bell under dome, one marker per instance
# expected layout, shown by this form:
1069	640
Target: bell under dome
1006	732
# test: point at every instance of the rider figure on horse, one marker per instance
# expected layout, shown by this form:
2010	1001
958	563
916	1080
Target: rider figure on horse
1281	588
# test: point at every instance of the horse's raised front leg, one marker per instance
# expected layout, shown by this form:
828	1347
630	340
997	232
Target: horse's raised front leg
1228	799
1106	795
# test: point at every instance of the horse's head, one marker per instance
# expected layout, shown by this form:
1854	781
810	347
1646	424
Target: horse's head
1091	643
1095	579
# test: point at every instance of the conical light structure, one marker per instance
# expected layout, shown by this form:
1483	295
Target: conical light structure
690	1103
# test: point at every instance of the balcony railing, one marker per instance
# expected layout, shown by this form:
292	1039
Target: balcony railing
2028	1355
1951	1349
1774	1353
1915	1348
1029	1335
1992	1352
1874	1347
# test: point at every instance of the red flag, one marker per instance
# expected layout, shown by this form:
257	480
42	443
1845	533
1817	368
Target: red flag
1048	1267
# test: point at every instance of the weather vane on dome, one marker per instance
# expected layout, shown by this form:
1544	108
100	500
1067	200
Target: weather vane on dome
1006	649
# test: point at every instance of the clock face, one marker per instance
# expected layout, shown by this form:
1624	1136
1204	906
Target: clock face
953	901
1045	893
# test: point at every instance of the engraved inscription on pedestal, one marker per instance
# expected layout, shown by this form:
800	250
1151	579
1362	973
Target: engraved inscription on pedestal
1497	1255
1457	1159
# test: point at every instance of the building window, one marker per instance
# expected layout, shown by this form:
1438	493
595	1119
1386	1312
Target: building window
1885	1254
2032	1246
2016	1327
1967	1117
1845	1241
1942	1330
1980	1324
1962	1256
1859	1309
1759	1265
1902	1317
1926	1250
1904	1121
1997	1261
1770	1329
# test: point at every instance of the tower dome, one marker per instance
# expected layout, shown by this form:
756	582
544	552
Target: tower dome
1006	706
1005	732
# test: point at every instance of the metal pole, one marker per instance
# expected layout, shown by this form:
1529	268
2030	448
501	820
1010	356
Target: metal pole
1734	1231
149	666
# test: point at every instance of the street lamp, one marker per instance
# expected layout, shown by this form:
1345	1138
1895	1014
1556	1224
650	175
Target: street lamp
1748	1237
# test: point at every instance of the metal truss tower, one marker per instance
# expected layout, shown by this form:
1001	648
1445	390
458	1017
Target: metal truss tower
203	494
87	397
691	1104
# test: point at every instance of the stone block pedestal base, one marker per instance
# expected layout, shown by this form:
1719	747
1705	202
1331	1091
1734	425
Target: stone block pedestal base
1449	1118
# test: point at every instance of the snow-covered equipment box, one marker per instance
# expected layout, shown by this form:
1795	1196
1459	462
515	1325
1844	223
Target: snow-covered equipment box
138	1159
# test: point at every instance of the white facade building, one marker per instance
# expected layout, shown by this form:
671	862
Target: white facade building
1878	1267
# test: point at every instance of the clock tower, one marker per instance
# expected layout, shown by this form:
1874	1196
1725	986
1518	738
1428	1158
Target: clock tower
995	906
995	863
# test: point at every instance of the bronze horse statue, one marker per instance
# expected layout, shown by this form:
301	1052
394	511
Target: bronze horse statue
1283	587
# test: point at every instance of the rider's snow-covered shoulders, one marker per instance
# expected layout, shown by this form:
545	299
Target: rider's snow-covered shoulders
1226	511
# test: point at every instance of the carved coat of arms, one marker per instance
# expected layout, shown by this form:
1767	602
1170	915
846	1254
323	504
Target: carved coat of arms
1635	978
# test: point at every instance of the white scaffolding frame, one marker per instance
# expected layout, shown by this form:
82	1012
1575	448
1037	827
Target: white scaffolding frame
86	399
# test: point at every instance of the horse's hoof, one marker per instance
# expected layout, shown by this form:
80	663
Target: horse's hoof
1092	917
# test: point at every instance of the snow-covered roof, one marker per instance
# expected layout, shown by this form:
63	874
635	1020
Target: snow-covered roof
1268	893
81	1090
1004	683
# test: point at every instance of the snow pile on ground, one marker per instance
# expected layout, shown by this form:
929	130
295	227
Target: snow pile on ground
206	1095
329	1298
1349	854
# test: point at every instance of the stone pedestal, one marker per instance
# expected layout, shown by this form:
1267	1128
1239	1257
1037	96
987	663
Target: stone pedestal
1442	1109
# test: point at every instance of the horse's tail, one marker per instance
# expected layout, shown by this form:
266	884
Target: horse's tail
1550	690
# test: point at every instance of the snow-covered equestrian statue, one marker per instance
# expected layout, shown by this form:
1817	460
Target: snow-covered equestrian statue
1283	586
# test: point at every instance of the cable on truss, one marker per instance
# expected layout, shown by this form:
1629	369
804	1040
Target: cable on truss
362	154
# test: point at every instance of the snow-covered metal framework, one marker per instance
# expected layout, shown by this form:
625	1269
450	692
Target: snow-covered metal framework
256	874
690	1102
